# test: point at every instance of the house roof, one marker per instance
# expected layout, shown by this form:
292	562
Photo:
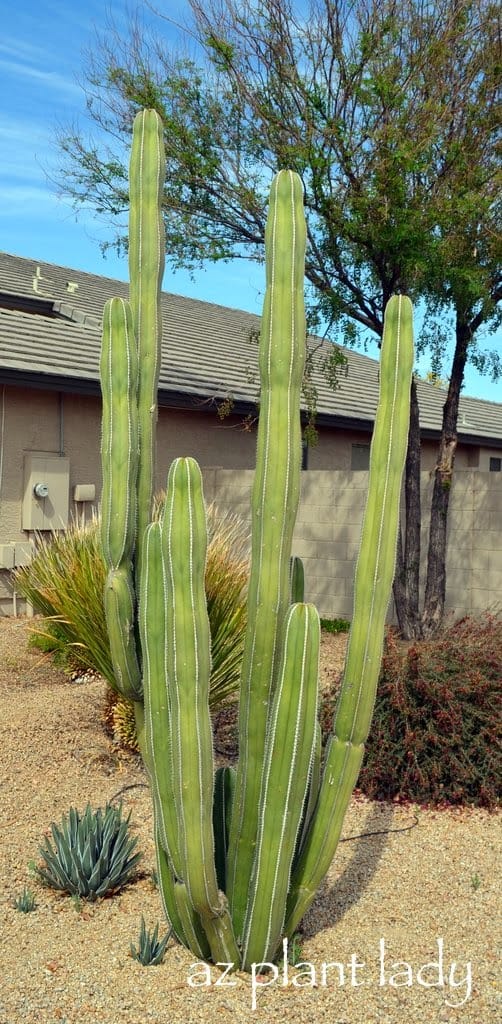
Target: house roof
50	335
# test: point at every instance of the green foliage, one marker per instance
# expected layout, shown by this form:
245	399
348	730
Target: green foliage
295	951
65	582
435	737
25	903
335	625
400	173
90	854
150	950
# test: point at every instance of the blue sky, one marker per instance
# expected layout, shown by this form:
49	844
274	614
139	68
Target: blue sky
42	57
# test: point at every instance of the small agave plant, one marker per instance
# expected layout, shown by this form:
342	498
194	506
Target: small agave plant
150	950
25	903
91	854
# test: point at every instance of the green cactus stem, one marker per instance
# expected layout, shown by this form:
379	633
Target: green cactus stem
188	666
240	854
372	591
146	269
287	762
119	455
274	504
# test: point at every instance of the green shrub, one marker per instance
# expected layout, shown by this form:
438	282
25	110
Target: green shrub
65	583
435	737
90	854
335	625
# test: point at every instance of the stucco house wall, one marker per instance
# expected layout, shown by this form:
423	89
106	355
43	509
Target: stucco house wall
333	494
50	339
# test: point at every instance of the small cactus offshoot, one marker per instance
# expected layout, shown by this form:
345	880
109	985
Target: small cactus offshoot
150	949
91	854
25	903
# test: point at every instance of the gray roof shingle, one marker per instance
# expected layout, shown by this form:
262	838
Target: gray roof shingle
50	330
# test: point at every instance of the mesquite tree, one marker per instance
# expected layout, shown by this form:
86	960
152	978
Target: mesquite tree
241	854
389	114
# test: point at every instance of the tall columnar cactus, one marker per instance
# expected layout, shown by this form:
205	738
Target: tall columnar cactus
241	853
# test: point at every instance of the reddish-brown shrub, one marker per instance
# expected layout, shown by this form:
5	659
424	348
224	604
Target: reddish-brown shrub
436	731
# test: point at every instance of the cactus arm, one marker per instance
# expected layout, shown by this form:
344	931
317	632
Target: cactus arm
184	537
119	437
224	786
167	888
153	628
377	553
119	607
274	504
146	268
296	579
190	922
288	755
312	791
119	455
373	583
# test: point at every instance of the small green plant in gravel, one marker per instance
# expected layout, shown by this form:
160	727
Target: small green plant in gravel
335	625
91	854
295	951
25	903
150	949
475	881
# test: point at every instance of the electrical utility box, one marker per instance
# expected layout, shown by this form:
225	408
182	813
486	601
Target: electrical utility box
46	491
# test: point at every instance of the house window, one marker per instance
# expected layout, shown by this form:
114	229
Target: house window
360	456
495	465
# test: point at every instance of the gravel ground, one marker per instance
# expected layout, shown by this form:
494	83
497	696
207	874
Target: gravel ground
392	903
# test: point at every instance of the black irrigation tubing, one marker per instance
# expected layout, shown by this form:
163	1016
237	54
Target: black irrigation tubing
345	839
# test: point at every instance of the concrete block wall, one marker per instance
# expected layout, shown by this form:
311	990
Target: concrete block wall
329	525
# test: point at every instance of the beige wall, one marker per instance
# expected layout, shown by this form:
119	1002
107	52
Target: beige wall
332	498
334	451
329	523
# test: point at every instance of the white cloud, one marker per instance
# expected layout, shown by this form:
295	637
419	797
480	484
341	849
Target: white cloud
52	80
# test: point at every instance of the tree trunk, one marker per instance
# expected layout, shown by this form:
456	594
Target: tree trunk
435	587
407	576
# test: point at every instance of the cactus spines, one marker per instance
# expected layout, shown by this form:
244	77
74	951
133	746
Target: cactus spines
372	590
119	436
274	503
287	760
377	552
240	853
119	455
188	664
146	269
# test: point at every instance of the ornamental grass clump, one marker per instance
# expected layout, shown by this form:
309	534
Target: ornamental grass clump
65	583
435	736
90	854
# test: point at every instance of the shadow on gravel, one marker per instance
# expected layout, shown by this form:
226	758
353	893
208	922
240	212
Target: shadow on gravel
348	889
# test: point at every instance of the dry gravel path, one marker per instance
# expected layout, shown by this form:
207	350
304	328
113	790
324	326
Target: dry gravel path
395	896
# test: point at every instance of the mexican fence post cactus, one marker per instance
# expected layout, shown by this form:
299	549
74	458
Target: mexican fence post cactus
130	360
241	852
